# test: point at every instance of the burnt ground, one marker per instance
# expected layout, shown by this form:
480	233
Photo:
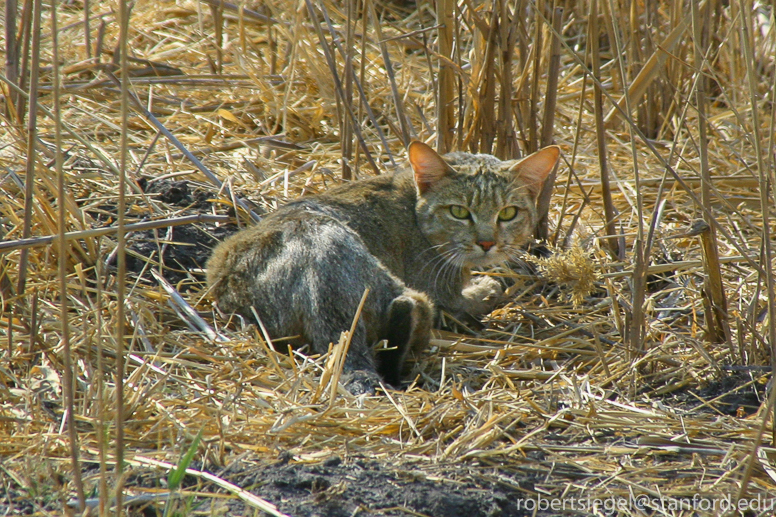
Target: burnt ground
184	249
379	489
360	486
333	488
737	393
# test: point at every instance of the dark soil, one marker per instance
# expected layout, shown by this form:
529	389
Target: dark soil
332	488
177	193
342	488
337	489
734	393
183	249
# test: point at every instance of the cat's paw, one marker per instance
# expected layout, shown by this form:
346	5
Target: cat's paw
360	382
482	295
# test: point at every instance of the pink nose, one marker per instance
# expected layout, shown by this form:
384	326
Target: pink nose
486	245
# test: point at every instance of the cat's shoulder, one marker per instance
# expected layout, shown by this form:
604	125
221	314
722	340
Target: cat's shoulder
389	185
360	199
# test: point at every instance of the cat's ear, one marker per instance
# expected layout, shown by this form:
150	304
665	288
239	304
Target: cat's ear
534	169
427	165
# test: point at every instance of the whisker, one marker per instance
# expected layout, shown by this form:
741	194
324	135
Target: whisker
439	258
515	256
446	264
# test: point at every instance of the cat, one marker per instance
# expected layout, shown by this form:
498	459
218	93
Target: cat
410	237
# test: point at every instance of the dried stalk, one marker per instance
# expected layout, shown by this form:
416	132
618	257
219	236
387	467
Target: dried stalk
640	251
506	146
249	14
69	379
651	69
87	30
218	24
548	122
344	346
548	125
406	130
188	154
12	54
485	87
102	421
330	60
35	242
124	13
364	101
717	319
446	78
26	54
538	50
346	129
606	191
32	139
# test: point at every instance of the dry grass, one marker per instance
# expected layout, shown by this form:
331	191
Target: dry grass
599	398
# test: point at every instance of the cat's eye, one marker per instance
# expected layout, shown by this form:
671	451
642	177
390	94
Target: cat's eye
508	213
459	212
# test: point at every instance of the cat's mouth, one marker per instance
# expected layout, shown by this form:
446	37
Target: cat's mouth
480	258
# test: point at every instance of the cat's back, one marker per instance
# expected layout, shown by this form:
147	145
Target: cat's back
382	197
379	210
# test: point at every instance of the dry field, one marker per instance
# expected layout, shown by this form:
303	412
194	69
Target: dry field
629	369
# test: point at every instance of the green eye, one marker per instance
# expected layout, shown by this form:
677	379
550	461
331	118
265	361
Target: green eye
459	212
507	214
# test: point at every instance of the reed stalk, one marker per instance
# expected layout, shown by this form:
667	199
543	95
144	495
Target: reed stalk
606	191
717	317
398	103
507	147
12	55
346	129
69	387
548	125
32	141
537	50
445	108
121	261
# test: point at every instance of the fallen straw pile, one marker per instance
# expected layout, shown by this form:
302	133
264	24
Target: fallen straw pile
631	363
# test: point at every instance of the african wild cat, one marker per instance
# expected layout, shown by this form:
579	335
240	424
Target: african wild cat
411	237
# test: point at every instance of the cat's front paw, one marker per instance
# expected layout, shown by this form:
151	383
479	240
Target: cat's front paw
482	295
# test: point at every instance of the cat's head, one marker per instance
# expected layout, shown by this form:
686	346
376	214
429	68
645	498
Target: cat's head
474	208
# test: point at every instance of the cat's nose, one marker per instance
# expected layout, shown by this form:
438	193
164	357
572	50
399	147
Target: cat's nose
486	245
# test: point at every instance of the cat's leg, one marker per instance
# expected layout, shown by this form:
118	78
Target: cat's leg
391	358
410	317
340	269
481	295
